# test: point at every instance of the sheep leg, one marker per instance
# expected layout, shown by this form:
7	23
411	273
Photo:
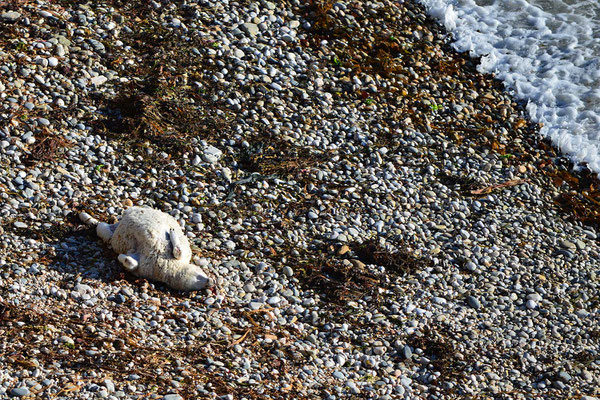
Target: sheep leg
130	261
176	244
105	231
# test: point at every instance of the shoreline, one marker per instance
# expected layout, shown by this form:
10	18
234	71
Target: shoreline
382	219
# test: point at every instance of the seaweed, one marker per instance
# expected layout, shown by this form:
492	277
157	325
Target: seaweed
48	147
121	353
70	226
340	282
442	354
340	278
400	262
464	183
275	156
139	119
170	106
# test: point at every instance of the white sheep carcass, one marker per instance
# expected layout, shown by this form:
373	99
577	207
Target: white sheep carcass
152	245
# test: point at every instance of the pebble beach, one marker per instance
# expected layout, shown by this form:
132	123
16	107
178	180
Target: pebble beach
382	221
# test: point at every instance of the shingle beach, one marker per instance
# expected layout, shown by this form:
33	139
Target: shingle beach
382	220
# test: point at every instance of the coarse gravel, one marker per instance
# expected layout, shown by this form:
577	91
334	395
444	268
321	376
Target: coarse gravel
381	219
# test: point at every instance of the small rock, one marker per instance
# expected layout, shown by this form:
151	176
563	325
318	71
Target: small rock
109	385
534	296
20	225
273	301
439	300
10	16
407	352
531	304
399	390
99	80
66	340
211	154
471	266
343	250
19	392
564	376
250	28
567	245
287	271
119	299
474	302
172	397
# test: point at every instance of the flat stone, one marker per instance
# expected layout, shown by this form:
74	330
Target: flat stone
567	245
63	41
67	340
250	28
564	376
343	250
99	80
534	296
10	16
273	301
97	45
211	154
172	397
19	392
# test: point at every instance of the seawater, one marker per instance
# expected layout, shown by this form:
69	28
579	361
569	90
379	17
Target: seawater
547	53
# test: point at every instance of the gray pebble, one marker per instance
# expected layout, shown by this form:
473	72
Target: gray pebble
473	302
19	392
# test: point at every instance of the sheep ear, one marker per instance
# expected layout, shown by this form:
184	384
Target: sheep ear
176	243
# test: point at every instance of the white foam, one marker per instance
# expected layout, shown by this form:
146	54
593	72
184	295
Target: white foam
547	52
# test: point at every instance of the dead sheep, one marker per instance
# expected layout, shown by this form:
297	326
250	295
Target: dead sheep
150	244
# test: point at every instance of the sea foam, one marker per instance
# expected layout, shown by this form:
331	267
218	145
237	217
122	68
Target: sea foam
546	52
